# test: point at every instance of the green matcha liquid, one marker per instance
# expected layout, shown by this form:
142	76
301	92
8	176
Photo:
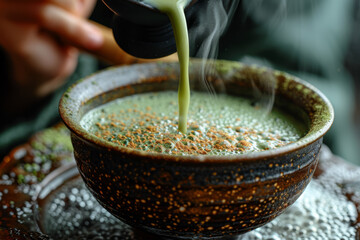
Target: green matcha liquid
226	125
175	10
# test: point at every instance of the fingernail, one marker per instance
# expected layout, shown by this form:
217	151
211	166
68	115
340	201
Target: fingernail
94	36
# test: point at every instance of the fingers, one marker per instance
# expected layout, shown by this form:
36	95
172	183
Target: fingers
73	29
72	6
69	5
69	27
78	7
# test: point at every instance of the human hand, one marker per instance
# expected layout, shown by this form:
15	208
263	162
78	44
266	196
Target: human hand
38	36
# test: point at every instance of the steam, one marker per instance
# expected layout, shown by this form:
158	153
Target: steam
212	23
265	92
264	86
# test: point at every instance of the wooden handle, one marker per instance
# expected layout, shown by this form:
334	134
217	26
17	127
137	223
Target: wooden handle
111	53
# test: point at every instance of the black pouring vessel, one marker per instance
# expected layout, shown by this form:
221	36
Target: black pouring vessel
144	32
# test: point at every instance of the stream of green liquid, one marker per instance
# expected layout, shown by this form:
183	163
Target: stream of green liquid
175	11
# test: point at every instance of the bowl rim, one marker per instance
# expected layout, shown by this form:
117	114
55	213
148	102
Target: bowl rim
68	119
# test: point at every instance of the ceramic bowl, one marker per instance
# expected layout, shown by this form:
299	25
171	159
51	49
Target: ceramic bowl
191	197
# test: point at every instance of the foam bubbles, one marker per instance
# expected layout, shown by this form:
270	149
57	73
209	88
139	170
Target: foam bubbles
148	121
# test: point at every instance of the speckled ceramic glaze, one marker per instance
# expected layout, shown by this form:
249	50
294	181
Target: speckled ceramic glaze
191	197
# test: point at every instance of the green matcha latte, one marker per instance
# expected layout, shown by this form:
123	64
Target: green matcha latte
221	125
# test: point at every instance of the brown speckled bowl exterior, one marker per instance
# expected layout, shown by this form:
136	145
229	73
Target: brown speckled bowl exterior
190	196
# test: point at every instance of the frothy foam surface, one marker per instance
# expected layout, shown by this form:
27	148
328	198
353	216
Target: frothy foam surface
223	125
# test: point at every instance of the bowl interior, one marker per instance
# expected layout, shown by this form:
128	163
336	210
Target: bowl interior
291	94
